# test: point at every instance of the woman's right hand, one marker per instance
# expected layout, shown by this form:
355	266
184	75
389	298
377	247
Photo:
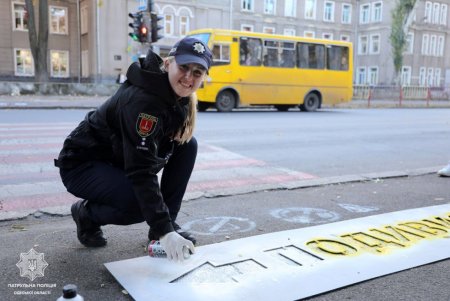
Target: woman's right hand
173	244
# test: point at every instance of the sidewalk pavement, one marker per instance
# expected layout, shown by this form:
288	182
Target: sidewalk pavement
70	262
89	102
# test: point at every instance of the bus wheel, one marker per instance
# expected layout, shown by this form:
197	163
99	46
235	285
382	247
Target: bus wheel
311	103
225	101
202	106
282	108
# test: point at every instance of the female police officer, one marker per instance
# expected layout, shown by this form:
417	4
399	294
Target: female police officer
112	158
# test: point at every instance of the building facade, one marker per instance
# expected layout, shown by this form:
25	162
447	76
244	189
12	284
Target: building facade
89	42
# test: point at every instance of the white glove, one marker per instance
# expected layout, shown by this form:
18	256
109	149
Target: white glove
173	244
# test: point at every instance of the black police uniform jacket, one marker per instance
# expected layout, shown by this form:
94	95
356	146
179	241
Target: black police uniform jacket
133	130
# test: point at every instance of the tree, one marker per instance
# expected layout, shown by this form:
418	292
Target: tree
38	41
401	19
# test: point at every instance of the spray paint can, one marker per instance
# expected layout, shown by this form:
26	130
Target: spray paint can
156	250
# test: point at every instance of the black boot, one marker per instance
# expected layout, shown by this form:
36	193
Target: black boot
88	232
185	234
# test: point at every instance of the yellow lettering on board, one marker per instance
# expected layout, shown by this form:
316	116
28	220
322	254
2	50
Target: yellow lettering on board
365	240
434	230
331	246
380	240
443	220
372	242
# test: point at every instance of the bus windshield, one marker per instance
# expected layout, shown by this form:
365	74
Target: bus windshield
204	37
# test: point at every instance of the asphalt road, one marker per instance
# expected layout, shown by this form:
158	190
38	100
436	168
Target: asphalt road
331	142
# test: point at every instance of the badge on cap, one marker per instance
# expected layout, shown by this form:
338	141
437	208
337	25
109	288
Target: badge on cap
198	47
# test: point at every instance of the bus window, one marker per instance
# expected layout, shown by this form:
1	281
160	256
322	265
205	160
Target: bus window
337	58
221	54
250	51
310	56
288	55
270	54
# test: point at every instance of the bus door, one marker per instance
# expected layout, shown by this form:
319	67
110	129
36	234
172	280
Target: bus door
255	85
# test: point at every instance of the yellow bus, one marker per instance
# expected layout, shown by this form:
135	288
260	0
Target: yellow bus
252	68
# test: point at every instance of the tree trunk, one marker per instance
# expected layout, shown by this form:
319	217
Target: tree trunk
39	42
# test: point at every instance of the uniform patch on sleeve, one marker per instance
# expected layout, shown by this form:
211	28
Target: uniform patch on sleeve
146	124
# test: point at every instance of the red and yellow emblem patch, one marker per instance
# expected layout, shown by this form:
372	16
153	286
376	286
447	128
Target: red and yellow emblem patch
146	124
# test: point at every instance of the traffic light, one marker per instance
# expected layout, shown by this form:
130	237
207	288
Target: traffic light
140	28
135	25
155	27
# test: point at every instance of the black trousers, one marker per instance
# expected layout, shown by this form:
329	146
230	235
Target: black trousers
110	195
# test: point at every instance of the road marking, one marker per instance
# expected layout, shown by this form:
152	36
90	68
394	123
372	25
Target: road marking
293	264
358	208
27	151
301	215
219	225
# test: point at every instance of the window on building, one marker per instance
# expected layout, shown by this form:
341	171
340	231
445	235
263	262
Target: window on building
428	11
377	11
247	5
437	77
327	36
443	19
84	19
422	76
364	14
363	45
345	37
221	54
346	13
168	24
361	76
440	46
290	8
269	7
409	43
374	44
406	76
425	39
309	34
310	56
85	63
328	11
310	9
432	50
184	25
246	27
58	20
269	30
430	77
59	63
23	62
289	32
373	76
20	16
436	13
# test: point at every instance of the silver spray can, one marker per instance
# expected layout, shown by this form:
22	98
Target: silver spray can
156	250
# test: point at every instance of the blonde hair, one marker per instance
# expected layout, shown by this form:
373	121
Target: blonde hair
186	132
